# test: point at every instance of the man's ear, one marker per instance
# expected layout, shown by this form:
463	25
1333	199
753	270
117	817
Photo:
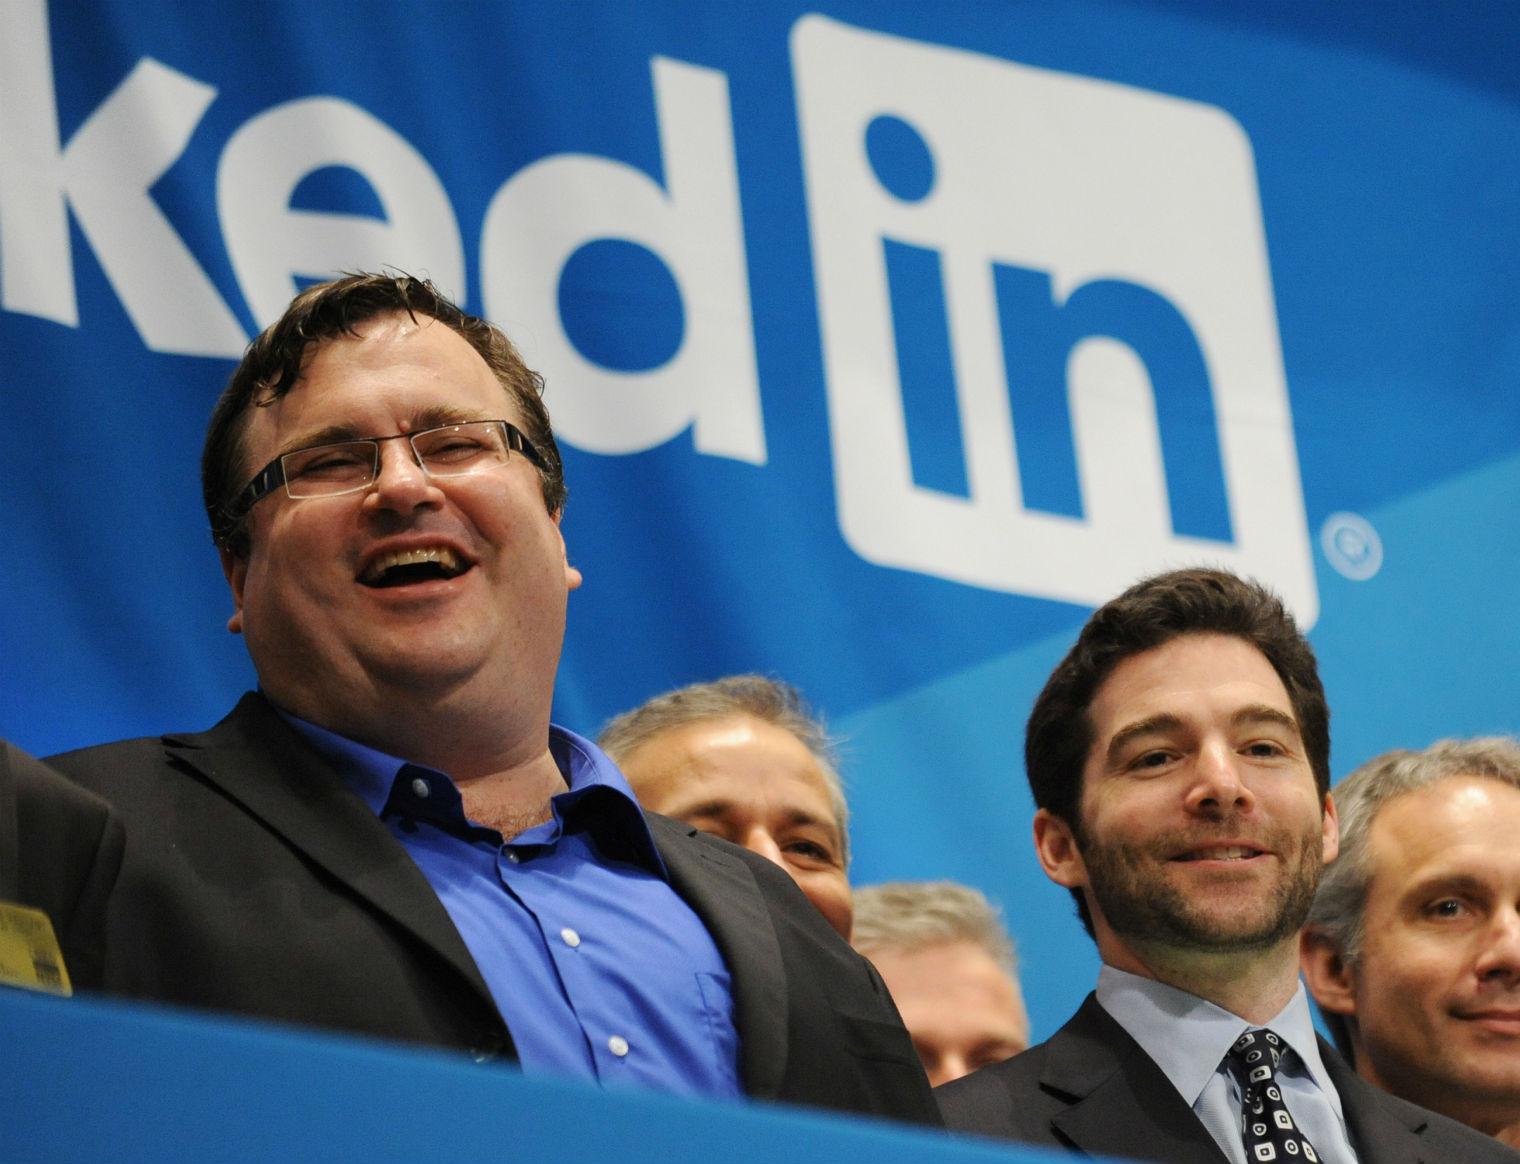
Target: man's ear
573	577
1330	831
1056	846
1327	974
235	569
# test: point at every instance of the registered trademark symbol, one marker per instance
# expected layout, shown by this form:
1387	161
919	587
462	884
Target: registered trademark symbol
1351	545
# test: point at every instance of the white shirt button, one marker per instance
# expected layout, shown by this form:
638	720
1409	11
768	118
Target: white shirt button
572	939
420	788
618	1045
513	857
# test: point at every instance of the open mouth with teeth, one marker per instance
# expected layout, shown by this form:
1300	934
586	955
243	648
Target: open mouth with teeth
409	567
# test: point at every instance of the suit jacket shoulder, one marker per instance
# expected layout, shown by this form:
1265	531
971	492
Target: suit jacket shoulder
1386	1128
1092	1090
1089	1089
255	882
816	1023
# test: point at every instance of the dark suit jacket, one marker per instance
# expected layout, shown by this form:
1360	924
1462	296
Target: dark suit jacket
60	852
1091	1090
256	882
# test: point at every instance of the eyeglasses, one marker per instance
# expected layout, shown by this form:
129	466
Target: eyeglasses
450	450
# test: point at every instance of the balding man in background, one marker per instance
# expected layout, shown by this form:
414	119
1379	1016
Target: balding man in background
1413	945
744	758
952	971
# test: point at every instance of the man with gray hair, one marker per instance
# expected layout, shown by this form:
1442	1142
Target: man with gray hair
951	968
744	758
1412	949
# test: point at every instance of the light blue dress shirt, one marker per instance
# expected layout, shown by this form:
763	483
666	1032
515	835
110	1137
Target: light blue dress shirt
600	970
1188	1036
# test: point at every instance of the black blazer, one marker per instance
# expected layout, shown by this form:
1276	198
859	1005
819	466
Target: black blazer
60	852
256	882
1092	1090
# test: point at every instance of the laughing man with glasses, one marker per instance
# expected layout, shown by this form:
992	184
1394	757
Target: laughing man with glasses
389	837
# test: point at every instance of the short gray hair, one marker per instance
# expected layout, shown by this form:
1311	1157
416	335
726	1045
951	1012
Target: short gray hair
904	916
1342	897
758	696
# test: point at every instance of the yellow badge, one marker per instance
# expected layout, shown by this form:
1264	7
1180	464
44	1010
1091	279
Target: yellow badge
29	953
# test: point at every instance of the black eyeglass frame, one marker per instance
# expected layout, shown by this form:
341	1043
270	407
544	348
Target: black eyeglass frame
272	475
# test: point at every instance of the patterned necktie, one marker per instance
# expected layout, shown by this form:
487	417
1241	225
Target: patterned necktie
1266	1124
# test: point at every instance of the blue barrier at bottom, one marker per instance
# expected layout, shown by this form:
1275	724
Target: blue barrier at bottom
89	1080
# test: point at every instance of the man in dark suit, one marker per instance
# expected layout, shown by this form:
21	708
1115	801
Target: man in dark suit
1179	759
389	837
60	852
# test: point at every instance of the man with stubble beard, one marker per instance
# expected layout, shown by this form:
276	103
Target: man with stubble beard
1179	758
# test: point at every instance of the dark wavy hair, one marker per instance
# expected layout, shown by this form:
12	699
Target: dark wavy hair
1150	614
274	361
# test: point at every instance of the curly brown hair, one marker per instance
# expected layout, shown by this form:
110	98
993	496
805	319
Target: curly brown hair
273	364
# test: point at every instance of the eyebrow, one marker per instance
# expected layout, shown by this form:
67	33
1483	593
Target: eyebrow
1151	724
703	807
1254	713
1264	713
434	416
1445	884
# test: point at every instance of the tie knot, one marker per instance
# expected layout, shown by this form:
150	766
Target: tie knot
1254	1057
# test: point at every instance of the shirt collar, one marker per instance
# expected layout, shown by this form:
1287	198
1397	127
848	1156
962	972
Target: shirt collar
597	796
1188	1036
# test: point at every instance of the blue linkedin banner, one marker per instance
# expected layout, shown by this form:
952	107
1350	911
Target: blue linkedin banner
884	340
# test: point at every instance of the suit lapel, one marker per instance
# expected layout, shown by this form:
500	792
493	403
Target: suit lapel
1382	1132
257	759
722	892
1121	1102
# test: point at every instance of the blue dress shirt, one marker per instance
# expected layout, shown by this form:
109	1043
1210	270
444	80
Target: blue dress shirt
600	970
1188	1036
